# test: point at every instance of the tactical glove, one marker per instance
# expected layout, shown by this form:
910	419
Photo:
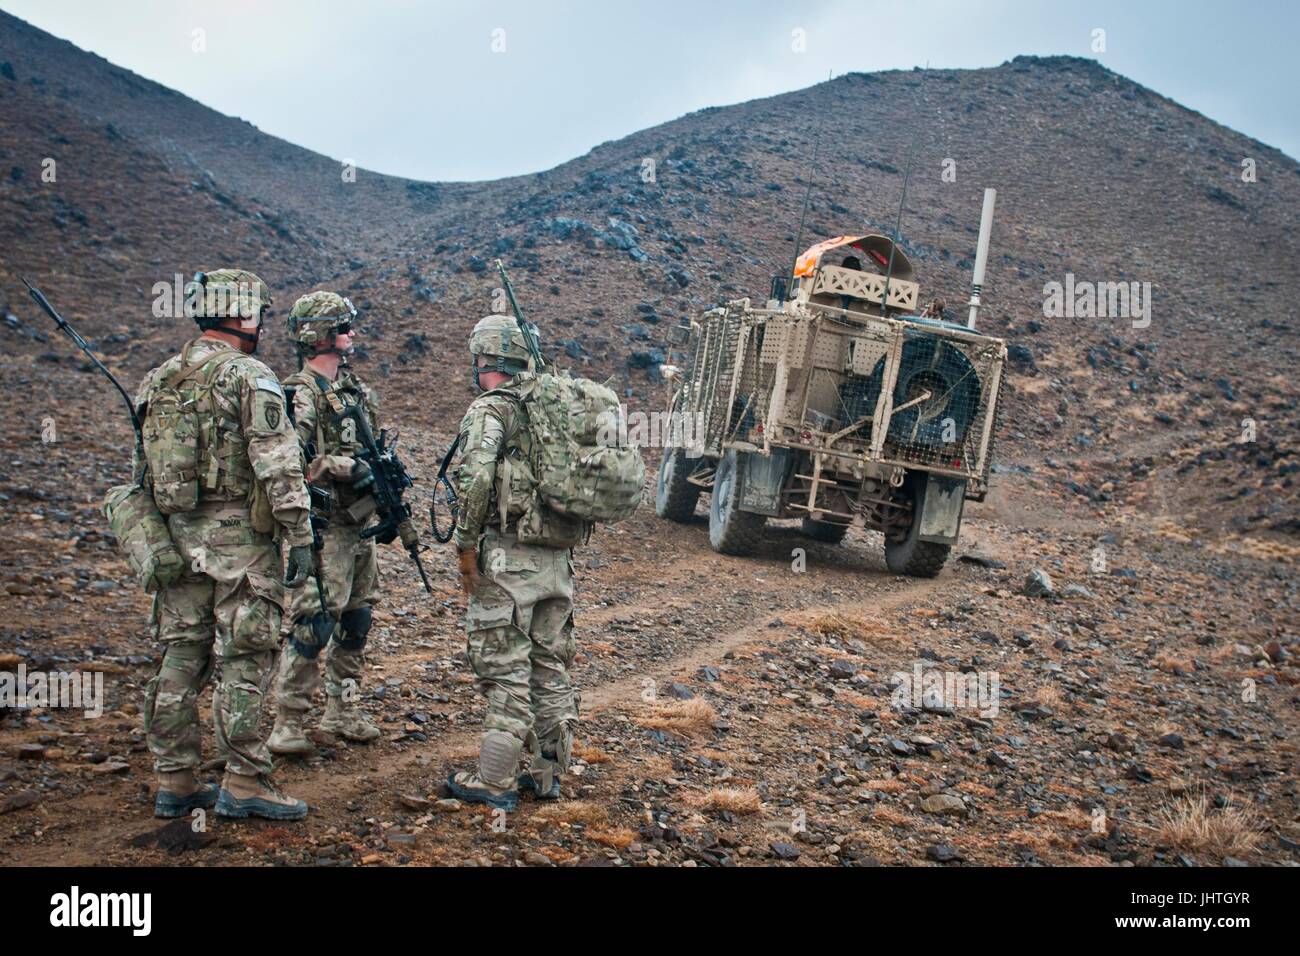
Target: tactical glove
302	565
362	477
469	577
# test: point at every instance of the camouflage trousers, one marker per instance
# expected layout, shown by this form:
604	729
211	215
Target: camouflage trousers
223	615
520	630
351	576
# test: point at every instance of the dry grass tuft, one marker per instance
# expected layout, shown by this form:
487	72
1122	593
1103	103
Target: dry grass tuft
590	755
654	766
892	817
1226	651
1173	664
738	800
685	717
1049	696
854	699
886	786
1073	817
619	838
584	812
1190	824
846	627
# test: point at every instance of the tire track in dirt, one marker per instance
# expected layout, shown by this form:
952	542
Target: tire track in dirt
102	826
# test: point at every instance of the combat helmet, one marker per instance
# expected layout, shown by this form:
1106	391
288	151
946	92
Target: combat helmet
499	336
213	297
316	318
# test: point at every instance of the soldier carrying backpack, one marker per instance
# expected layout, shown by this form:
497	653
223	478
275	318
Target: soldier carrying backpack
223	469
532	482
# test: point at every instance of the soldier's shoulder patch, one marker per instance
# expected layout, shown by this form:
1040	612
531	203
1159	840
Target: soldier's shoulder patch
268	385
271	412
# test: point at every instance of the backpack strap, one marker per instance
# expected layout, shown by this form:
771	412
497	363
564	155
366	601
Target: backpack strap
203	371
313	387
210	362
504	465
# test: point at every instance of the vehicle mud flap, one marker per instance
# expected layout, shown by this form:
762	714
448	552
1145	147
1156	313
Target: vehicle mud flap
762	480
941	510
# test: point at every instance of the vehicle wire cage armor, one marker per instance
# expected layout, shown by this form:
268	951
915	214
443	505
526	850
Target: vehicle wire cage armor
852	389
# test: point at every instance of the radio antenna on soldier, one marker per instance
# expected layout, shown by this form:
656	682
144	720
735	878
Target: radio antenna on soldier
902	199
39	297
807	193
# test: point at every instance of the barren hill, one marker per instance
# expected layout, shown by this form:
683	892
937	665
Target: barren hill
1115	436
1097	176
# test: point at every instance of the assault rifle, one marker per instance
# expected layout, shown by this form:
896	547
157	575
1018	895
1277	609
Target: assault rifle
322	623
391	482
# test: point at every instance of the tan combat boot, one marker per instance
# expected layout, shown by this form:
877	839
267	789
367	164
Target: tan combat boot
346	720
253	795
287	736
180	793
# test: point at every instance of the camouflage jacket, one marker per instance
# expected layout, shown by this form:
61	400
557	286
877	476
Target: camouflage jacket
495	479
318	425
253	439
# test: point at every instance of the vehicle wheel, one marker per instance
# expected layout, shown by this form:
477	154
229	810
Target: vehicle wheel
675	497
731	531
824	530
909	555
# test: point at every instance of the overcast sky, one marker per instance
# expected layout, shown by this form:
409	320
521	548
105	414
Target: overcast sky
445	91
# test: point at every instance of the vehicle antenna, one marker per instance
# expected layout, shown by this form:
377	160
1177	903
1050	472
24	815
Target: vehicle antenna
807	193
902	199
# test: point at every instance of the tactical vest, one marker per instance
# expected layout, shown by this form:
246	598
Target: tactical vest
334	436
195	450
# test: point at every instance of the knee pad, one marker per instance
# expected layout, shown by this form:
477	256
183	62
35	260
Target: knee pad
302	641
312	632
355	625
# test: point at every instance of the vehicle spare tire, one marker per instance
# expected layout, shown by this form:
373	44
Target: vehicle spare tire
927	364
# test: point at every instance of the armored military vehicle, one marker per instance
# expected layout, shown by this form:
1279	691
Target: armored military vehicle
839	402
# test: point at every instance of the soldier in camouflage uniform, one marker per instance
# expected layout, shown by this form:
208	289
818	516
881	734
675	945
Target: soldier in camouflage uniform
244	480
520	615
321	325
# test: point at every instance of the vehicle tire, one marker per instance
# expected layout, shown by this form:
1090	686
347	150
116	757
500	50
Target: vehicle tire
824	530
731	531
675	497
909	555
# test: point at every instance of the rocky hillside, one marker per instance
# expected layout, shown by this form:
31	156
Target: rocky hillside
1146	715
1097	177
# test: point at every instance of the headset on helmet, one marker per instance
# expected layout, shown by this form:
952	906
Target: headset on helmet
214	297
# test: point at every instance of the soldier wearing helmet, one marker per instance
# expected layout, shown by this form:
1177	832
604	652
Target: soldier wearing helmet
516	566
223	464
323	327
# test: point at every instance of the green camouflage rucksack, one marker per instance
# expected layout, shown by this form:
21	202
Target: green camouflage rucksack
142	536
175	417
581	470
